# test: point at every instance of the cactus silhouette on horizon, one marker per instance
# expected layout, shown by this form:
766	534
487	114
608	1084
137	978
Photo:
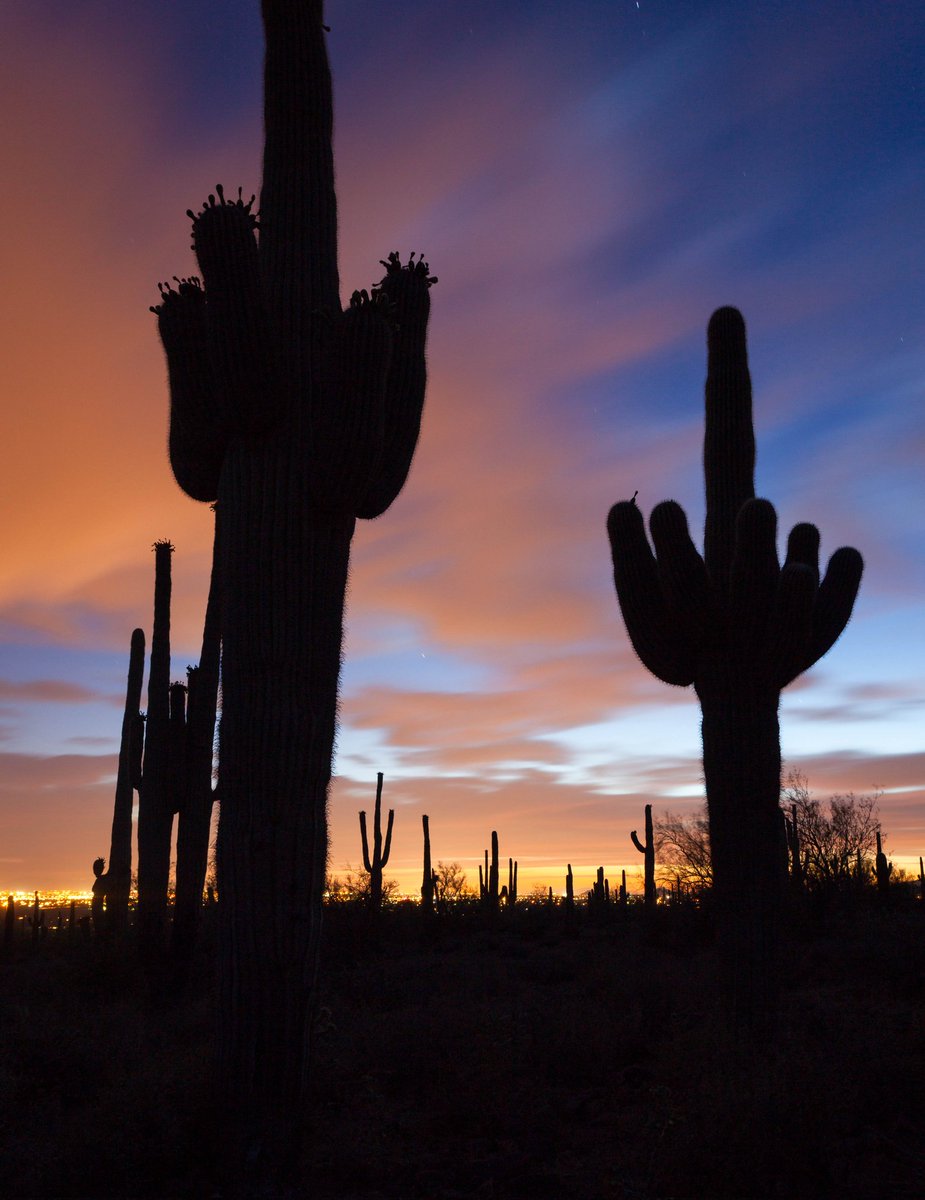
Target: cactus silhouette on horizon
119	875
155	802
739	627
297	417
647	850
376	862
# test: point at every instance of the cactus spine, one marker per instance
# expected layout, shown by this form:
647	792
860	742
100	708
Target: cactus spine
298	418
739	627
119	875
647	849
374	864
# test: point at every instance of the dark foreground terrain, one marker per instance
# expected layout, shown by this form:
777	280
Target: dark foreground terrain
515	1062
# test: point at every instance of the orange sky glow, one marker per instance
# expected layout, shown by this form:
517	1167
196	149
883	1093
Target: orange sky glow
586	195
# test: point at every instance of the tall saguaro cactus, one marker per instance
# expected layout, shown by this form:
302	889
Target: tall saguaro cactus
376	862
739	627
119	875
195	803
155	803
647	850
298	418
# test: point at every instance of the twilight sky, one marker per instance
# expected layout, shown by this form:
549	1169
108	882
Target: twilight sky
589	179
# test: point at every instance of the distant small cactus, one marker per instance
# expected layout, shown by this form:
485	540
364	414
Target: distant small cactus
884	869
739	626
647	849
375	862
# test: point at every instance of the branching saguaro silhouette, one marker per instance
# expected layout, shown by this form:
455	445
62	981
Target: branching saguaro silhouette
739	627
298	418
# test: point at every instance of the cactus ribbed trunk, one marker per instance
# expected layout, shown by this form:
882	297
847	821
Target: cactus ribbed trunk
647	849
741	759
279	687
119	875
155	808
377	861
739	626
427	882
195	814
298	418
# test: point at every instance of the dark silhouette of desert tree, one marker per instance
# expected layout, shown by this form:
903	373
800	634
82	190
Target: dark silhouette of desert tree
155	804
119	875
298	418
739	627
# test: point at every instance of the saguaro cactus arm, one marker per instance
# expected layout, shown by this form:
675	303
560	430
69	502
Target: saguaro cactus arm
740	627
683	612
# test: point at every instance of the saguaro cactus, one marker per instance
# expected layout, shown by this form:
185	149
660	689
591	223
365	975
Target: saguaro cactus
429	878
155	805
195	801
489	889
739	627
298	418
119	875
884	868
647	849
378	860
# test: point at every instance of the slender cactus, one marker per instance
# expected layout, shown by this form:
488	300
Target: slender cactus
739	627
623	889
921	879
196	796
884	869
569	889
375	863
119	875
599	896
489	890
427	882
298	418
647	849
511	882
155	805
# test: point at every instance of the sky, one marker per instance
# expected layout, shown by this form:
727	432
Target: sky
589	179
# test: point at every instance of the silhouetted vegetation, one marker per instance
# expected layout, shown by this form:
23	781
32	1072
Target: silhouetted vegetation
739	627
528	1054
298	418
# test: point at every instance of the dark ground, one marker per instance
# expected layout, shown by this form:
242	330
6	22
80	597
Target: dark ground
516	1062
